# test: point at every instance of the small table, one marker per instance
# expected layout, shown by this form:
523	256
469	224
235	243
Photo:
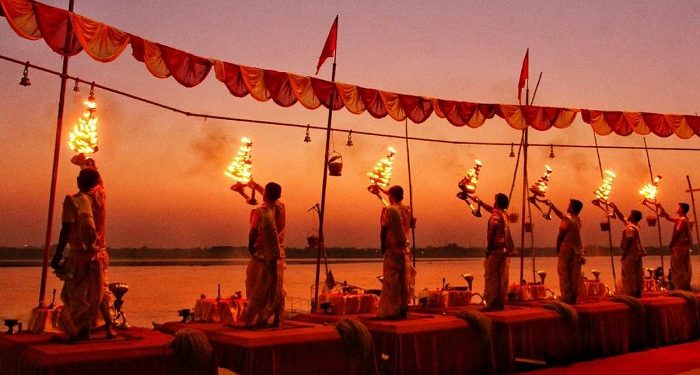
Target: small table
225	310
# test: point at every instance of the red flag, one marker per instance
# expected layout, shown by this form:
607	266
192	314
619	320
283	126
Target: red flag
524	74
330	46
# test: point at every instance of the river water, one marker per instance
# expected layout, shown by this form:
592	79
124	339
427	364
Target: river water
157	292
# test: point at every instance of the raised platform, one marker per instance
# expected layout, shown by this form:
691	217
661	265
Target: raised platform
436	341
136	351
294	348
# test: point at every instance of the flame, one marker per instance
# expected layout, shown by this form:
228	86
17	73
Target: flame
381	173
603	191
539	188
649	190
472	178
240	168
83	138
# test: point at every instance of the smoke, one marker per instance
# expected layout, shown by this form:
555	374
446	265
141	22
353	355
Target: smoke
212	150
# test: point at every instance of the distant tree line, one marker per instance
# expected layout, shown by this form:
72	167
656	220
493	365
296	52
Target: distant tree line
451	250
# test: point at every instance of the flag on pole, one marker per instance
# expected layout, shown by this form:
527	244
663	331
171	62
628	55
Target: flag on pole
524	74
330	46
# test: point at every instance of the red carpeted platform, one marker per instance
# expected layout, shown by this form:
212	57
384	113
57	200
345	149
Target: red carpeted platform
668	360
136	351
436	341
294	348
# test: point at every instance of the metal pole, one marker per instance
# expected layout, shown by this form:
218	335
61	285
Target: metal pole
529	207
321	215
656	208
522	220
410	198
54	171
695	212
607	217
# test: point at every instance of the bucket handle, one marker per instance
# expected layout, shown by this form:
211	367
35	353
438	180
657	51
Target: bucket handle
480	297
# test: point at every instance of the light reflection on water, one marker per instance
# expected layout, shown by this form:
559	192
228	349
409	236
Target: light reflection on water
156	293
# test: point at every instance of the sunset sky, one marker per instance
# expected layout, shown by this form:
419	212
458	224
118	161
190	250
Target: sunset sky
163	171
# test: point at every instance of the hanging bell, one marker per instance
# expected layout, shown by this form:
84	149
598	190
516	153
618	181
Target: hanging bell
512	151
25	76
349	142
76	88
551	151
307	138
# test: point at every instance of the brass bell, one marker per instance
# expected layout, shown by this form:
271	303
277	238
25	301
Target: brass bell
512	151
307	138
25	76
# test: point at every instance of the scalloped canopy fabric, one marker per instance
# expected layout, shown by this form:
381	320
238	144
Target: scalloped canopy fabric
33	20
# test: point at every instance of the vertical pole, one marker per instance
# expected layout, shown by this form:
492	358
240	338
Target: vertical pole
54	170
656	209
532	240
322	212
607	217
522	220
410	198
695	212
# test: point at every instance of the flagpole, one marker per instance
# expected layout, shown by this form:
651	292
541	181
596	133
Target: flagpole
529	206
54	171
410	198
656	208
522	220
321	215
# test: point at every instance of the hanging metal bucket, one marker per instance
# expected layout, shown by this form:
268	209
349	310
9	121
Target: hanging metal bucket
605	226
651	220
513	217
312	239
528	227
335	164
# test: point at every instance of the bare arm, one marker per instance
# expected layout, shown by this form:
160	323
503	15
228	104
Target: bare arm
382	237
253	234
554	208
616	211
256	186
483	204
62	242
664	214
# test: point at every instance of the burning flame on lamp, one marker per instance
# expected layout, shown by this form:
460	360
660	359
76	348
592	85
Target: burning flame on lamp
467	185
380	175
240	170
539	189
649	191
472	178
83	137
602	193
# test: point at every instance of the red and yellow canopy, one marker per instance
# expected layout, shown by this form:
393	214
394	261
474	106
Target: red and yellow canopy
105	43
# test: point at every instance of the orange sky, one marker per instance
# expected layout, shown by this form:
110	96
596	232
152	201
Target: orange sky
164	174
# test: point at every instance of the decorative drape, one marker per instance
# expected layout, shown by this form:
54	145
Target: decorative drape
104	43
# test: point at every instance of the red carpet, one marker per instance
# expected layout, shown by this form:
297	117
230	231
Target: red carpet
668	360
